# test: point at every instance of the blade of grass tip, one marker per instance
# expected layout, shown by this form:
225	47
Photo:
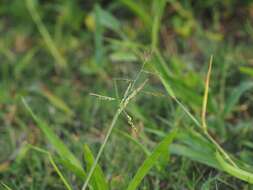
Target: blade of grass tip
234	171
5	186
98	177
150	161
122	106
205	98
203	115
59	146
50	157
45	34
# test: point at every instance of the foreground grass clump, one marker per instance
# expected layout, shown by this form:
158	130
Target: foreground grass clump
78	113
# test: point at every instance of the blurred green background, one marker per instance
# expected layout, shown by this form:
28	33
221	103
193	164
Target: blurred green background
54	53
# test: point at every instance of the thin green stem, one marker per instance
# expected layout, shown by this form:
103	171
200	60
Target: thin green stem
122	106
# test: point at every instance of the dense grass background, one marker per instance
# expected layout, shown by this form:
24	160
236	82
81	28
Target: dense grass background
55	53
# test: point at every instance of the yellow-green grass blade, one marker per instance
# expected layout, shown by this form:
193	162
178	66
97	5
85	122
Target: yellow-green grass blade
234	171
5	186
160	150
98	178
247	70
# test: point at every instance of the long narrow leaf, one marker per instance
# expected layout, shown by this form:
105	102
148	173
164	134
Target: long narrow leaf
234	171
158	12
51	159
45	34
98	178
150	161
138	10
195	155
59	146
5	186
56	101
235	96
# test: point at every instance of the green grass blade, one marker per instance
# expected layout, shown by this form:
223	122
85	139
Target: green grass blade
247	70
195	155
57	101
234	171
158	12
98	178
171	81
139	11
79	172
235	96
108	20
59	146
167	86
45	34
51	159
5	186
150	161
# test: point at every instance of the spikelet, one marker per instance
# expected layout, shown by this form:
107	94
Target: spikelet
101	97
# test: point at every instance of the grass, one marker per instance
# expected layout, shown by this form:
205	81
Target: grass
119	95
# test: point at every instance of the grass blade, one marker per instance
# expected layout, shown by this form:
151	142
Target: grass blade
138	10
5	186
205	98
59	146
51	159
235	96
160	149
98	178
158	11
56	101
45	34
234	171
246	70
195	155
